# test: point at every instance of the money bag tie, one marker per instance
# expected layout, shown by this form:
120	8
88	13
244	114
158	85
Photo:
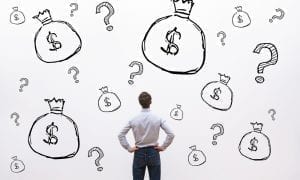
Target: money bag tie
108	101
55	41
54	135
241	18
175	43
255	145
196	157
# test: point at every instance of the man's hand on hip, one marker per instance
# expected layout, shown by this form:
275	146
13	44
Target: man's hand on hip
159	148
133	149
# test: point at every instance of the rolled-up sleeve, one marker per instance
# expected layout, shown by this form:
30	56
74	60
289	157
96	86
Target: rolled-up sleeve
122	136
168	131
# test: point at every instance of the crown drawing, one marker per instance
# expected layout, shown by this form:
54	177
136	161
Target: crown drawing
183	6
257	126
56	105
44	17
224	79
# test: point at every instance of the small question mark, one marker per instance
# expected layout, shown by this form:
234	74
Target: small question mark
140	71
76	73
72	10
23	85
15	116
220	126
224	36
110	13
101	155
282	13
263	65
272	112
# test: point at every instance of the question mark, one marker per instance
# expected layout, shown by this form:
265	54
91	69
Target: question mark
101	155
23	85
76	73
110	13
17	116
274	58
224	36
140	65
273	112
220	126
72	10
282	13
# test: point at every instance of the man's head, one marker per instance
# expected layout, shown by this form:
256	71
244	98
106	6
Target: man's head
145	99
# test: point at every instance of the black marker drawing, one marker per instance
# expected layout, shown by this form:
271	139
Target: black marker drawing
272	112
54	135
217	94
73	9
274	59
55	41
241	18
282	14
196	157
26	83
100	156
223	37
177	113
17	165
255	145
139	72
17	17
111	12
16	117
108	101
175	43
73	68
220	133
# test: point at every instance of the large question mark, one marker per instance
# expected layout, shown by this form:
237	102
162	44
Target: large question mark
224	36
76	73
140	71
221	132
23	85
274	58
282	13
110	13
272	112
72	10
15	116
101	155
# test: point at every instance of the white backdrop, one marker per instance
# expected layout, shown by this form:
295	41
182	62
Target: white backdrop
104	61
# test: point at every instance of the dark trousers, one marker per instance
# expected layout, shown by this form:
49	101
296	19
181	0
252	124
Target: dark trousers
146	157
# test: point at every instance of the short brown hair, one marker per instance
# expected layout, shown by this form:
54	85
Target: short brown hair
145	99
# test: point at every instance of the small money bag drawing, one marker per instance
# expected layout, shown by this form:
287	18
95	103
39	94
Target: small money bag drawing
17	165
196	157
17	17
55	41
54	135
175	43
255	145
241	18
177	113
108	101
217	94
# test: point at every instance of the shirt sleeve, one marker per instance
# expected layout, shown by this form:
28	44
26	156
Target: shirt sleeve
122	136
170	134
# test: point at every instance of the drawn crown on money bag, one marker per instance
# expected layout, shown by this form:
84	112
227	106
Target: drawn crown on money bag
54	135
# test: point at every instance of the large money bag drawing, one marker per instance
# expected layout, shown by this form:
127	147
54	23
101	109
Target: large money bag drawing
175	43
55	41
217	94
255	145
54	135
108	101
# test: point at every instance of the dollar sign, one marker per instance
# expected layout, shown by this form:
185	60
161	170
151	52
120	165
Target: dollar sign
195	157
16	166
52	139
55	44
216	96
107	103
240	19
176	113
252	143
172	48
16	17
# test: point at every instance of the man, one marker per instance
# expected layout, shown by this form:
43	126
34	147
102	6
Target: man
145	127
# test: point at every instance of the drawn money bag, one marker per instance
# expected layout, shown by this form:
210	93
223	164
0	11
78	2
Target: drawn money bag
177	113
196	157
17	17
55	41
17	165
108	101
217	94
175	43
54	135
255	145
241	18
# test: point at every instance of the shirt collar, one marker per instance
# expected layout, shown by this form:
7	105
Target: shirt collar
145	109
